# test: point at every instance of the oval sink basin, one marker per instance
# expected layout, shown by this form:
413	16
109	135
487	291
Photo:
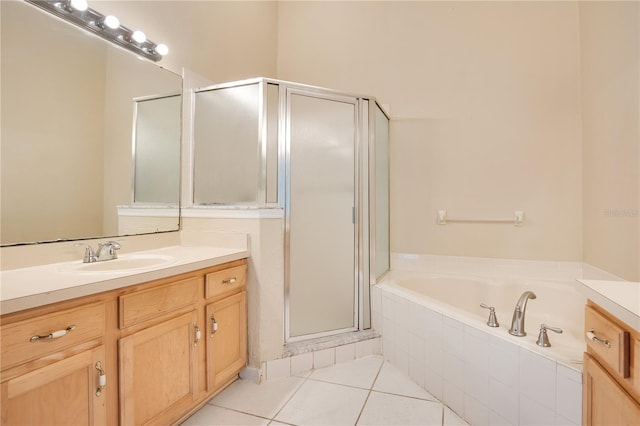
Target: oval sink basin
124	263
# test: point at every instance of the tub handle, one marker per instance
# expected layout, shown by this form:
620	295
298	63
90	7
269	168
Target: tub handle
543	338
591	335
492	321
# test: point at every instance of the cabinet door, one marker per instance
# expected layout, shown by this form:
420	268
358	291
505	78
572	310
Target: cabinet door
226	339
604	401
158	371
61	393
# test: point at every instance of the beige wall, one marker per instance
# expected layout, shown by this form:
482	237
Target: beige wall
221	40
484	99
265	289
610	57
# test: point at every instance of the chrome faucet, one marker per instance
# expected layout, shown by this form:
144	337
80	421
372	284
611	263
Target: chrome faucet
517	323
106	251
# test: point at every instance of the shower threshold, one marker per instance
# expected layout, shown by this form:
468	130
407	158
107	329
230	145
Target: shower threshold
327	342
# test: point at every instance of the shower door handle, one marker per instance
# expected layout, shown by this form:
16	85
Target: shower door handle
353	215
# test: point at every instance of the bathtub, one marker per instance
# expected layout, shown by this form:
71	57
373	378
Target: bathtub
434	330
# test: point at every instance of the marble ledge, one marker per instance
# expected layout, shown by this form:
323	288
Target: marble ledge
35	286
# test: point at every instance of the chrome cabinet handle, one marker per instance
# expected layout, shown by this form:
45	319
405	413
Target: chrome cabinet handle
53	335
229	281
591	335
214	325
102	379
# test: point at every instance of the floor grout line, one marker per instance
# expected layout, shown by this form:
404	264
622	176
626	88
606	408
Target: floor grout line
369	394
241	412
290	398
437	401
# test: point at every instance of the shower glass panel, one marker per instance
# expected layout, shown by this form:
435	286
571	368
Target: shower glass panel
226	126
272	115
381	192
320	214
156	150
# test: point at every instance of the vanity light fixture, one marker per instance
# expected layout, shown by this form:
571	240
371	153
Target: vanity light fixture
80	5
111	22
162	49
107	27
138	36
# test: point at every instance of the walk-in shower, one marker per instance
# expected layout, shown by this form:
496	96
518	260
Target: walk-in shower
318	156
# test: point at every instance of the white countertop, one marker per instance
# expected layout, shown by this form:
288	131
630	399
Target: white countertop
40	285
620	298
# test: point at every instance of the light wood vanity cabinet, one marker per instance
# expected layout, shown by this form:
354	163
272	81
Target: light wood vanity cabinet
158	366
611	371
226	339
64	392
164	348
157	350
52	366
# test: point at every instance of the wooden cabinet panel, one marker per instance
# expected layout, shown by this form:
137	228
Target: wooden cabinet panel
635	366
224	281
604	401
17	347
611	344
147	304
158	372
62	393
226	339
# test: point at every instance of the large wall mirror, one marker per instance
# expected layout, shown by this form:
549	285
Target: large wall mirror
68	107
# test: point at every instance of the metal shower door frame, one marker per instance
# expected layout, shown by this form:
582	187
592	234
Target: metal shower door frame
286	91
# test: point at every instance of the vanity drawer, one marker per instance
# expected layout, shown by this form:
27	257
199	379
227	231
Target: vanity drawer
144	305
607	341
56	331
224	281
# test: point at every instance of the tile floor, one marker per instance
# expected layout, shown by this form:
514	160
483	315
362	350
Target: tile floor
367	391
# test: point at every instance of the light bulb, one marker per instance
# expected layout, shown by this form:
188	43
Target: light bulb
111	22
139	36
80	5
162	49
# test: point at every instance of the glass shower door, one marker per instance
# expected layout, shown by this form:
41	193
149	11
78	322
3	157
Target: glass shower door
320	215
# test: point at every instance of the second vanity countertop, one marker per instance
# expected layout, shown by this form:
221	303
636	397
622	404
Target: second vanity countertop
40	285
620	298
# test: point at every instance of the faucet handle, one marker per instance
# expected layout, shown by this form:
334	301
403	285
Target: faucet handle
114	244
492	321
111	247
548	327
107	250
89	254
543	338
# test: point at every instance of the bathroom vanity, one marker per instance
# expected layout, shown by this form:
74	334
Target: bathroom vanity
148	351
611	373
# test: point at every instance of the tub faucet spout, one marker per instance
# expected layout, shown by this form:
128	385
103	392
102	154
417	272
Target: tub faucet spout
517	323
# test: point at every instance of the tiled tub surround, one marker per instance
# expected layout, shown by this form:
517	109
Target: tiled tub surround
483	374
